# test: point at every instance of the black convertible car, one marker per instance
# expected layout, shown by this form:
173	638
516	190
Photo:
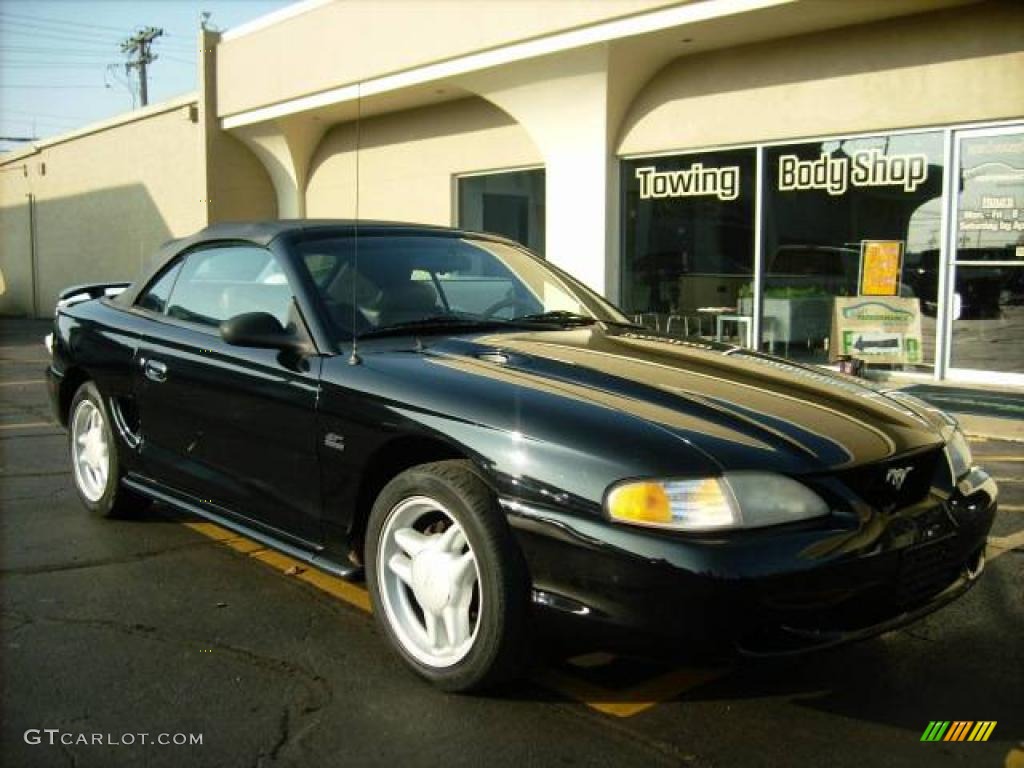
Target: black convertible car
502	453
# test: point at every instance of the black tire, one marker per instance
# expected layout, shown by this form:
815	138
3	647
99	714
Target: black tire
498	649
115	501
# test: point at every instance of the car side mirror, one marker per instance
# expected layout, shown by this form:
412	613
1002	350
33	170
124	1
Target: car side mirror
258	329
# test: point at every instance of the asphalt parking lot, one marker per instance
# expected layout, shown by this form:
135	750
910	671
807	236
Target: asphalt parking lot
168	626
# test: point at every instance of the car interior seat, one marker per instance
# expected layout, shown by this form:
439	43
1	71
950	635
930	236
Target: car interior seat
407	302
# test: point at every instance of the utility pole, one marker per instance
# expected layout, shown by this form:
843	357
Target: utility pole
138	45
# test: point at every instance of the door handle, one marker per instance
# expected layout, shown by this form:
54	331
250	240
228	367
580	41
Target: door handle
155	370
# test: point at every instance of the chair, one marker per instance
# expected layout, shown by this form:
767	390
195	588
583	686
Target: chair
408	302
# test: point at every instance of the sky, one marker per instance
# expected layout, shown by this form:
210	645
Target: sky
61	65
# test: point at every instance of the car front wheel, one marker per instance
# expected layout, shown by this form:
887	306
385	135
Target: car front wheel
447	580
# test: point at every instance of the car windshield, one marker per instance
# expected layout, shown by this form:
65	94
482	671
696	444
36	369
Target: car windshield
418	283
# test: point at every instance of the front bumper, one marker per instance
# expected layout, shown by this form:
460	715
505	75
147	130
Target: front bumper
782	639
769	592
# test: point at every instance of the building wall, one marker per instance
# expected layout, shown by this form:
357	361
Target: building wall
104	201
239	187
236	184
407	161
957	65
266	66
106	197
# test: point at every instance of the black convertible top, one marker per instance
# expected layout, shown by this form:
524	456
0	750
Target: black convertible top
262	233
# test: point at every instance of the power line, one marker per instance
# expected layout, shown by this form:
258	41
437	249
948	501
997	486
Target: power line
45	128
76	64
35	29
71	31
50	85
52	20
64	47
32	120
19	50
62	38
60	41
176	60
73	66
41	114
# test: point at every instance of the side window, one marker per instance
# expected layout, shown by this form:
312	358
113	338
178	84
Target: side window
154	298
218	283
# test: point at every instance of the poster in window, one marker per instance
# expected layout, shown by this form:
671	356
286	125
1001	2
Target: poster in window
881	265
877	331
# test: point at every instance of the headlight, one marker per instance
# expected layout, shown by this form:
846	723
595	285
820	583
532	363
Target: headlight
735	500
958	453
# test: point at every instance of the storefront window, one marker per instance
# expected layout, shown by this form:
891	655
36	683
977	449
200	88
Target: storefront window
688	259
988	304
850	243
509	204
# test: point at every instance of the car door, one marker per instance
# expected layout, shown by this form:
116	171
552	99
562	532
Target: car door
233	428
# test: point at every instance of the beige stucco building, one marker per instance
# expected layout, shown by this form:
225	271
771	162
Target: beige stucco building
664	152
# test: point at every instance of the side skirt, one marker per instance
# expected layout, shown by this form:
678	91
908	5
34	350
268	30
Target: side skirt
345	571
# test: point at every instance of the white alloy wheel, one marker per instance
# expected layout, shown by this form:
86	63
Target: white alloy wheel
90	452
429	582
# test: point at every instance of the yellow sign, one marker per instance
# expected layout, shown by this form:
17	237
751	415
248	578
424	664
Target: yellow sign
881	264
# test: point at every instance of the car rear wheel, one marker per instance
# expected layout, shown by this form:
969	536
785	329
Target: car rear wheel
95	464
447	580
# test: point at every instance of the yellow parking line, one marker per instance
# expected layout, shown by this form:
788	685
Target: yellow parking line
618	703
339	588
629	701
274	559
21	383
1011	507
212	531
245	546
332	585
1000	545
28	425
1002	459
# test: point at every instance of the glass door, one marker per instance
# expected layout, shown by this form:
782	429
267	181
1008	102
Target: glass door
985	296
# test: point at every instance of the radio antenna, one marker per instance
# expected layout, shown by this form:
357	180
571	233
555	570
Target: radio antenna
354	358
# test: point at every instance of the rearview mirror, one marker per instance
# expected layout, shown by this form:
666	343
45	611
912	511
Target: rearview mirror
258	329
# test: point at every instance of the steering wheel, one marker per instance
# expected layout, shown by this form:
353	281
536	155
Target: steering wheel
511	301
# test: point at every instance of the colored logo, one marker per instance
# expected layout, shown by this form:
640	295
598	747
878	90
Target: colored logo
877	311
959	730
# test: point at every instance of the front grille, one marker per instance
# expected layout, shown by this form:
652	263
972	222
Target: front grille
875	484
926	570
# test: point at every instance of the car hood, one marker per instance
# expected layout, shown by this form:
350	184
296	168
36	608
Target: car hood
743	410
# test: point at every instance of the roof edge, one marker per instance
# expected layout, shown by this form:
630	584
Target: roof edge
117	121
274	17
